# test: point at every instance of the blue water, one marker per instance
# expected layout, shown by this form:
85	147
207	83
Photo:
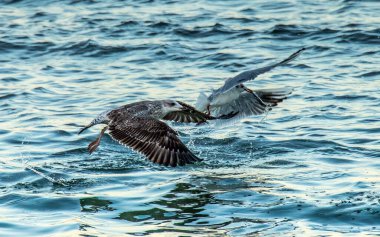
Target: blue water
310	168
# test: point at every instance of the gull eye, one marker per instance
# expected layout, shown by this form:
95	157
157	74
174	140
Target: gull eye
170	104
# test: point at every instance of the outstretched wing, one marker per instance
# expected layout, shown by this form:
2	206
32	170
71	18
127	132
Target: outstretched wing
246	104
255	103
189	114
153	138
252	74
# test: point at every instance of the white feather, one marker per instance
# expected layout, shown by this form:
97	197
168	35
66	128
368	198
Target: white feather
202	102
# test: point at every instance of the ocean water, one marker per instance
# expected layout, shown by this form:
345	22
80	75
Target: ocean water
311	167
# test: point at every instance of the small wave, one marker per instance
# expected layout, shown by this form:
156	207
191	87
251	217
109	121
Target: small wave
347	97
248	11
9	79
291	30
369	53
203	32
334	160
43	90
222	57
6	46
39	14
189	32
280	163
83	2
34	47
12	1
370	74
369	37
91	48
7	96
128	23
71	152
296	32
160	25
343	9
245	20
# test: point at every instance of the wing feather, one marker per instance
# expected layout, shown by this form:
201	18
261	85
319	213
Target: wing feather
246	104
256	103
252	74
188	115
151	137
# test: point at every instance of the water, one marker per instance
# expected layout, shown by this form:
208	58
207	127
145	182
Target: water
310	168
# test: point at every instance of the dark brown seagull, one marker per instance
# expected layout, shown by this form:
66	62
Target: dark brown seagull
138	126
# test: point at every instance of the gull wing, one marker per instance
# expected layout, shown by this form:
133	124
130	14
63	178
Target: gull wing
252	74
191	115
246	104
151	137
255	103
274	96
202	102
188	115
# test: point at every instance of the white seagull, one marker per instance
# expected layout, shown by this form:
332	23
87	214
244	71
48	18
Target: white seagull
235	97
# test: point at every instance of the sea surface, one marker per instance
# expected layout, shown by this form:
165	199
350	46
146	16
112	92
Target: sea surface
311	167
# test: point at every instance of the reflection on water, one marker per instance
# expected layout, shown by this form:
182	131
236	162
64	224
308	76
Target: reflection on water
194	203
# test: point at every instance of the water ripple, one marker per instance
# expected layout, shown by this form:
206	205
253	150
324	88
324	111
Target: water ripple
310	167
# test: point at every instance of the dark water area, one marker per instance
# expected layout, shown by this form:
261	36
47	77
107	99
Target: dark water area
310	168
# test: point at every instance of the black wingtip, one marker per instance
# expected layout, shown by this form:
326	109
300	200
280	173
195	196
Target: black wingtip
292	57
301	50
198	159
297	53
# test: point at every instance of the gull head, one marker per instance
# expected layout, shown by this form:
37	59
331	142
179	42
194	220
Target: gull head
171	106
241	88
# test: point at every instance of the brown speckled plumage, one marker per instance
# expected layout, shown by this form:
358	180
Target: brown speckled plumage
138	126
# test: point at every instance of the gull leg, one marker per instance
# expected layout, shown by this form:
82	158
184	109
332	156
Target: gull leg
93	145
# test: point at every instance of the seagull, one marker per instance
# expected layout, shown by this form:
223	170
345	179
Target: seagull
138	126
234	96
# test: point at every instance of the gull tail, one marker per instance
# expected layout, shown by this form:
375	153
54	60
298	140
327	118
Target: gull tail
202	102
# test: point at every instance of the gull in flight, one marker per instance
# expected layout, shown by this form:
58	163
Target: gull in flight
138	126
234	96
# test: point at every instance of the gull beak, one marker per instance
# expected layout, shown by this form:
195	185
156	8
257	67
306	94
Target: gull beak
183	106
248	90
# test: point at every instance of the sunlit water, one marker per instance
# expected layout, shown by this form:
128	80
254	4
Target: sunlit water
311	167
